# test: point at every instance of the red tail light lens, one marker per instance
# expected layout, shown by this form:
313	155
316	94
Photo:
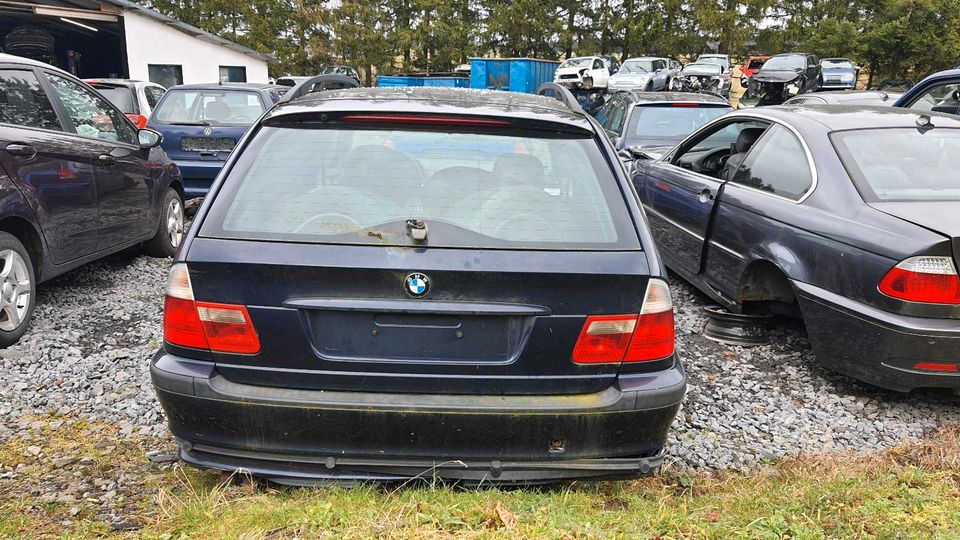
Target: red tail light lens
930	280
604	339
654	337
138	120
630	338
934	366
205	325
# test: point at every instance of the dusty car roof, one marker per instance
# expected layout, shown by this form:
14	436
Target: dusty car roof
665	97
840	96
435	100
225	86
841	117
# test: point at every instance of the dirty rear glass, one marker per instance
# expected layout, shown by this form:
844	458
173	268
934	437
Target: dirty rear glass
485	190
904	164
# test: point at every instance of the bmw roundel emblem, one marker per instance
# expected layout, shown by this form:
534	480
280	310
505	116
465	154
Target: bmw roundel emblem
207	131
417	285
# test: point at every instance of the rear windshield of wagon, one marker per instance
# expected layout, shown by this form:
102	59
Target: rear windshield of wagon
350	184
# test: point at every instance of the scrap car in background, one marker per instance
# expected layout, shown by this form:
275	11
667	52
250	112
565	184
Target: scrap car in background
418	310
78	182
135	98
848	217
751	66
201	124
722	60
703	77
647	124
642	73
839	74
585	72
782	77
845	97
939	92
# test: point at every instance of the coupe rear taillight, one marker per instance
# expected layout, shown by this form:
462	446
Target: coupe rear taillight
642	337
215	327
138	120
927	279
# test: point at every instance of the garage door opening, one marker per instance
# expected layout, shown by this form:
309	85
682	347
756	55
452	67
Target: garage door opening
87	44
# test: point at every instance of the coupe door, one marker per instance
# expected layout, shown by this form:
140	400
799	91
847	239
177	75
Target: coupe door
679	194
125	189
55	172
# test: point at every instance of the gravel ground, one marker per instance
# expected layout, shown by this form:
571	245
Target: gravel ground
95	328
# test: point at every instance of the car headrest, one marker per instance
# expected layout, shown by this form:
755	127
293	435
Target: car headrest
522	167
746	138
217	110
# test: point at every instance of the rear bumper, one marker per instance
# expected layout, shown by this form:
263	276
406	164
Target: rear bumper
198	176
876	346
304	436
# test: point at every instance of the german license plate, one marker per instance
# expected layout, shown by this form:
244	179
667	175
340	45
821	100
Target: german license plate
207	144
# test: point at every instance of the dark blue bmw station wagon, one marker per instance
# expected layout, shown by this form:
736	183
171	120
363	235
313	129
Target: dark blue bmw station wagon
386	284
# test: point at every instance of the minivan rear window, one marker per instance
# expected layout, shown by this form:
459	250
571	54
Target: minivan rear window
484	190
902	164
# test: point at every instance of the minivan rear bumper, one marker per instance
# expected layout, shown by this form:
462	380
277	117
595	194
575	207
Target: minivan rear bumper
307	436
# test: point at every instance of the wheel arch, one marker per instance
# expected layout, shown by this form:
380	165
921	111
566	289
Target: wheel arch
29	236
765	287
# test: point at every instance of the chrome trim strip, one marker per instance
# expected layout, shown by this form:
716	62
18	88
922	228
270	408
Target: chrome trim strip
725	248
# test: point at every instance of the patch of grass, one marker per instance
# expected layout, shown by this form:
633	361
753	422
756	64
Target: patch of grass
909	492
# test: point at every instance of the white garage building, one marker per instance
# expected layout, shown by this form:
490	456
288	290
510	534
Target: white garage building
117	38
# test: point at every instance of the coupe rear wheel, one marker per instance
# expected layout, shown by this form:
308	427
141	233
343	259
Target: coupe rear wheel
170	229
17	290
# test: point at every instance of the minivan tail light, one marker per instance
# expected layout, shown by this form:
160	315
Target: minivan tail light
926	279
645	337
205	325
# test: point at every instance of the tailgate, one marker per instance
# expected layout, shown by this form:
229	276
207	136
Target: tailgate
340	317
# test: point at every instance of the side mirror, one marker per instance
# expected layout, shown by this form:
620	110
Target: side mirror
634	153
148	138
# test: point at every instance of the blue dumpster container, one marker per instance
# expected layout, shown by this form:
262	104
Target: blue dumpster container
422	80
513	74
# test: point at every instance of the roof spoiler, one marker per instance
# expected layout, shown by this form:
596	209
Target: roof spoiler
566	97
318	84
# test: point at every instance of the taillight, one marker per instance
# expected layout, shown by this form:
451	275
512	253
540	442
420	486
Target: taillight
927	279
205	325
936	366
654	337
630	338
138	120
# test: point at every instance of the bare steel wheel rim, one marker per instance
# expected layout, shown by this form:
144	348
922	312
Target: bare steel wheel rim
14	290
175	222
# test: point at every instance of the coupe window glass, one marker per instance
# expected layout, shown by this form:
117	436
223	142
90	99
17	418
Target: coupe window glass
637	66
902	164
756	64
777	164
673	123
24	103
209	108
360	186
830	64
577	62
786	62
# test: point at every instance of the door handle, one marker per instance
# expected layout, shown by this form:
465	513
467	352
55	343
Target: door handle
21	150
107	160
705	195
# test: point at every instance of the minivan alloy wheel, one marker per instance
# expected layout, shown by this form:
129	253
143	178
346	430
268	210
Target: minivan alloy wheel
14	290
175	222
